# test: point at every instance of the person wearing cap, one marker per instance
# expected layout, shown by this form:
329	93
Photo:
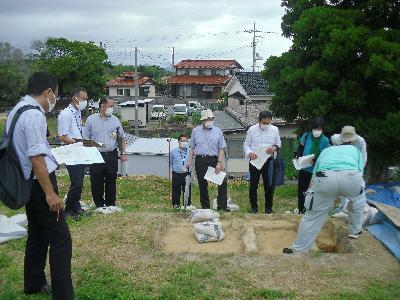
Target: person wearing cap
208	145
359	143
69	130
265	135
337	172
179	163
310	143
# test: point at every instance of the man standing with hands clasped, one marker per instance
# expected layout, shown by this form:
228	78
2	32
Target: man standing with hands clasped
261	135
70	129
207	143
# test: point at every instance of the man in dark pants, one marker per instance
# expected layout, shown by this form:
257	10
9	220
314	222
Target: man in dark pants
70	129
266	136
208	145
46	221
103	127
179	167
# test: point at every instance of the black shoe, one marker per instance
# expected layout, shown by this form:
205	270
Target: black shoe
254	211
269	211
45	290
226	209
287	251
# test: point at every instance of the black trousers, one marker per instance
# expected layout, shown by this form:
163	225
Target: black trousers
45	230
76	174
201	165
254	181
302	186
103	179
178	186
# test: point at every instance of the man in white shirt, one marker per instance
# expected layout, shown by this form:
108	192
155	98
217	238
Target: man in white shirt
261	135
70	129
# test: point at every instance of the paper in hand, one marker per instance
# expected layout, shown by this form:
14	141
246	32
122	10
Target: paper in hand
303	162
77	154
215	178
262	157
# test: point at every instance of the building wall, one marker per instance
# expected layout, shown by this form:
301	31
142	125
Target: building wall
112	91
207	71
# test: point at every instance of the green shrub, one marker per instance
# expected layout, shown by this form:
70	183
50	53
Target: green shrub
196	118
178	119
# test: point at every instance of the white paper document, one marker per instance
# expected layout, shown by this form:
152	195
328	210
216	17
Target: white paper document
215	178
77	154
262	157
303	162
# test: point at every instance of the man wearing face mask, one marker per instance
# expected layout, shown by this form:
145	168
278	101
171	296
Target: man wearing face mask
103	127
263	134
207	143
69	129
179	166
310	143
46	221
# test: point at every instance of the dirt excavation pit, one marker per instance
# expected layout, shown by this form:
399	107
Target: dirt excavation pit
251	235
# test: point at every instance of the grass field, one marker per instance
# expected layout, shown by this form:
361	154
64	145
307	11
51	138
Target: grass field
117	257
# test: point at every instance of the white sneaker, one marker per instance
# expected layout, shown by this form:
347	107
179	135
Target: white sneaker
354	236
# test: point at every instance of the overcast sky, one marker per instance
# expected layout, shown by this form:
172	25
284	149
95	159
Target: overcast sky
202	29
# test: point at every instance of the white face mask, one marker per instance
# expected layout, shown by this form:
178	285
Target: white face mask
316	133
183	145
109	111
82	105
264	126
51	105
208	124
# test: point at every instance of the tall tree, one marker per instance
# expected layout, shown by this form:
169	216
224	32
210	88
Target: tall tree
344	65
75	63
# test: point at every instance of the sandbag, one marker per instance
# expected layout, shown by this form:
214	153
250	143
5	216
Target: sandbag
212	228
232	206
204	238
19	219
202	215
10	230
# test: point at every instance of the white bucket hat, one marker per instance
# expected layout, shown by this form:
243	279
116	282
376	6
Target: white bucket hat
205	114
348	134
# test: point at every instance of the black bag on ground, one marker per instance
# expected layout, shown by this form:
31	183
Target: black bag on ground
15	190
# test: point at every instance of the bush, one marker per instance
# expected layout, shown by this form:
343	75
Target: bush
288	147
178	119
125	123
196	118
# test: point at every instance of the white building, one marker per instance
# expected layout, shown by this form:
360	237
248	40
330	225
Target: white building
124	86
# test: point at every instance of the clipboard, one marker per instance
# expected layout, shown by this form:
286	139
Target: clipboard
90	143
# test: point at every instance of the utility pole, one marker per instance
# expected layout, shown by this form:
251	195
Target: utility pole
255	55
136	96
173	57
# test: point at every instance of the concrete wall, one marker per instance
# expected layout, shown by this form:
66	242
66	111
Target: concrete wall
223	72
112	91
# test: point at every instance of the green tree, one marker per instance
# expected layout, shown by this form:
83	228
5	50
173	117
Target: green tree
344	65
75	63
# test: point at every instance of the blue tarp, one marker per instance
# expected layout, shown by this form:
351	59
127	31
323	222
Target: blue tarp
385	231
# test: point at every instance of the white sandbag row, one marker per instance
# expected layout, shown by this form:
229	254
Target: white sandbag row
108	210
11	228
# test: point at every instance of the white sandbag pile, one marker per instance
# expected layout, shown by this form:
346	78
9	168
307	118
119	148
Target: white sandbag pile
232	206
10	229
108	210
370	214
207	226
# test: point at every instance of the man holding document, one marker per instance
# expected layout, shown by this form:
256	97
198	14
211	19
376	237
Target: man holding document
208	145
105	128
262	142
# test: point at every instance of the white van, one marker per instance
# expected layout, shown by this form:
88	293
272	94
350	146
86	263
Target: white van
180	109
194	106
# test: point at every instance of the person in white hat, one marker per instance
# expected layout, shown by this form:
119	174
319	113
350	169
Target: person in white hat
208	145
358	142
337	172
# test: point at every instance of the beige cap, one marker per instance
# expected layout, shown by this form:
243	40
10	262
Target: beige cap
205	114
348	134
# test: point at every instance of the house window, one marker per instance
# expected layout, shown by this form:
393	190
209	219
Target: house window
186	72
231	72
120	92
127	92
201	72
235	148
214	72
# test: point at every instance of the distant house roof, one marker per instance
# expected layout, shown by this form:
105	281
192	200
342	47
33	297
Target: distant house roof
126	79
208	64
226	122
238	112
252	82
198	79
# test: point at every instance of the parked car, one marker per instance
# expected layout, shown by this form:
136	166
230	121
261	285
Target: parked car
180	109
194	106
158	112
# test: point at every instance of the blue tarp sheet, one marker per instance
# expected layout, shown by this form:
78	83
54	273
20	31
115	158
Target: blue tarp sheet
385	231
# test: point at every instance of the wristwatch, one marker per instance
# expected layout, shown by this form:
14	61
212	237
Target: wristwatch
123	153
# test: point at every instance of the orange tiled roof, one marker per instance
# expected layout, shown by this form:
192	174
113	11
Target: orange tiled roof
208	64
126	81
198	79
